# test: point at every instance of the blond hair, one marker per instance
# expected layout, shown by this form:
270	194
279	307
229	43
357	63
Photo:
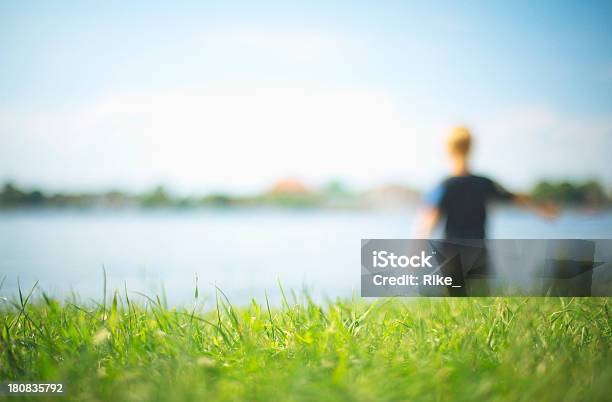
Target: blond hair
459	141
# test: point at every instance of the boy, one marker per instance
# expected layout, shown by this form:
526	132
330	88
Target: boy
462	200
463	197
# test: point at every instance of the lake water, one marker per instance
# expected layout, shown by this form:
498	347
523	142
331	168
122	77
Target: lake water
243	252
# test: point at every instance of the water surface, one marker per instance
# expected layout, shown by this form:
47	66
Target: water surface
244	252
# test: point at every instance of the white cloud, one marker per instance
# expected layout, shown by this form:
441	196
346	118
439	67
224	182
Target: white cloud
222	137
527	143
244	139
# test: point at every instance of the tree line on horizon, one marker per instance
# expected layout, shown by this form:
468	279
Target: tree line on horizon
588	193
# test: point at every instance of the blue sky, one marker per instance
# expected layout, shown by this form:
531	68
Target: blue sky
209	96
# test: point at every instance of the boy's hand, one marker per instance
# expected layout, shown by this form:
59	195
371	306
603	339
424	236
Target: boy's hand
546	210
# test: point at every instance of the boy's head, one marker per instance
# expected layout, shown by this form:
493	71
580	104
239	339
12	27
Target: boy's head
459	142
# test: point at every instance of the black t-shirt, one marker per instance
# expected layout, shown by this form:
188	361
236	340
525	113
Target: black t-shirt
463	200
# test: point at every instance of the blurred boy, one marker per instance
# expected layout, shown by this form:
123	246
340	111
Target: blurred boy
463	197
462	201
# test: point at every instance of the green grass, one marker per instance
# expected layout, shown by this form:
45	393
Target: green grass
514	349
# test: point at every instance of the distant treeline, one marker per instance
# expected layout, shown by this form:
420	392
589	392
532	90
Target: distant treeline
13	196
590	193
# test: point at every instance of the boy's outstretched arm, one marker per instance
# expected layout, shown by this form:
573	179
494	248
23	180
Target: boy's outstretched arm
547	210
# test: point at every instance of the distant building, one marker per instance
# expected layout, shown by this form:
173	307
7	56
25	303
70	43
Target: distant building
290	186
391	196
